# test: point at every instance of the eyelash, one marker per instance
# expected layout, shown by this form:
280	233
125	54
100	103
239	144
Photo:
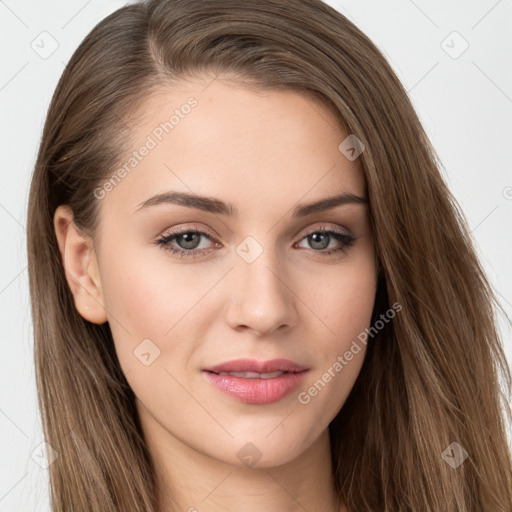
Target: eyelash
346	242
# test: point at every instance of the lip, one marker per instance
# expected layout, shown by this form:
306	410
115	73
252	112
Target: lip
252	365
253	390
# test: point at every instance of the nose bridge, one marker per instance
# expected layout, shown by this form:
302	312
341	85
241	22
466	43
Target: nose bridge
262	298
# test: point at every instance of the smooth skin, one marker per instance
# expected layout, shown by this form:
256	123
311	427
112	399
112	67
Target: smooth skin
265	152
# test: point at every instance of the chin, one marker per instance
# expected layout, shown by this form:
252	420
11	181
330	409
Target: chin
259	451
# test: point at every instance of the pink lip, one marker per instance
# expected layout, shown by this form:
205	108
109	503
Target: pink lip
252	365
256	391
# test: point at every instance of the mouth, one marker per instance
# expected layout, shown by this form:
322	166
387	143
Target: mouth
255	382
253	366
254	375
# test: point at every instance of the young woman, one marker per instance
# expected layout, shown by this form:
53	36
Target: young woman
251	288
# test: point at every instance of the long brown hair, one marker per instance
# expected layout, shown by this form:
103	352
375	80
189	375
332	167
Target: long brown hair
431	377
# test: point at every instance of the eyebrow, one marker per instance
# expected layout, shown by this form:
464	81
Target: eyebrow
213	205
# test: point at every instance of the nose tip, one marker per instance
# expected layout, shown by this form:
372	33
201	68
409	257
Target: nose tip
260	300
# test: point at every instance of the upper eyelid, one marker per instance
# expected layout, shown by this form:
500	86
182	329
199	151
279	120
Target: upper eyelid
324	227
191	229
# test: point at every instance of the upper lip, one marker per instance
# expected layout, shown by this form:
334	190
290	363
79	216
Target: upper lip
252	365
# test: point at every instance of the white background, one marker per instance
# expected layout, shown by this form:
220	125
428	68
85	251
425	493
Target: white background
465	104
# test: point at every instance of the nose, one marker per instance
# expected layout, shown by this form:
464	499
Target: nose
261	297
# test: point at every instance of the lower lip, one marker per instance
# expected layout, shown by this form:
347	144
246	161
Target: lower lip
256	391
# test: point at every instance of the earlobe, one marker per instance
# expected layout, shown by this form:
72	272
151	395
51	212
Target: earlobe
81	266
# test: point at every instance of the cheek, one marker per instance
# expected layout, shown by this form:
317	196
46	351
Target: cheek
345	308
144	302
348	306
345	302
150	316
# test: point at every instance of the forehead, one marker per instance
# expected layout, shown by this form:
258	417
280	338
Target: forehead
263	151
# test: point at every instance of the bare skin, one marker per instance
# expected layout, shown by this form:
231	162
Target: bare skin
266	153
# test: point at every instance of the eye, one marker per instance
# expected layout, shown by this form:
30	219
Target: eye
321	237
188	241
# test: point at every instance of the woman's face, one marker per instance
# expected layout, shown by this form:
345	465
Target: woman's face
261	288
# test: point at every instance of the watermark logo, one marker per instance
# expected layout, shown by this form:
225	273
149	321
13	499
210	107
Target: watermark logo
45	45
249	455
454	45
44	455
249	250
146	352
454	455
351	147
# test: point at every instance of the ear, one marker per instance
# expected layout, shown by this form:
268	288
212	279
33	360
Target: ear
80	266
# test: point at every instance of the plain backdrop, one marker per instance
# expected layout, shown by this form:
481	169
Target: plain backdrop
453	58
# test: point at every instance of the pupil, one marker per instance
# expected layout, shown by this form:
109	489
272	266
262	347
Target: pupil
319	244
190	243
